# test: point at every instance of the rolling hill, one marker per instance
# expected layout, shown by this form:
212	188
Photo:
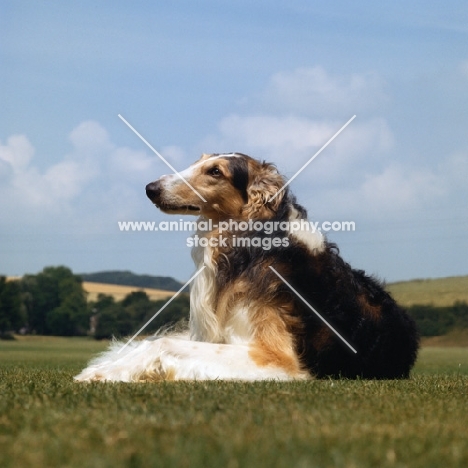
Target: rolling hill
438	292
127	278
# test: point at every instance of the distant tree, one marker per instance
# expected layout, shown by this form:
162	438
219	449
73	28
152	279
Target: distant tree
71	317
28	286
113	321
178	310
137	304
460	311
119	319
135	297
56	302
12	316
433	321
103	301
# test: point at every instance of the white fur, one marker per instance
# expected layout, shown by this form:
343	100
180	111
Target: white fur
187	173
238	330
204	326
314	241
178	358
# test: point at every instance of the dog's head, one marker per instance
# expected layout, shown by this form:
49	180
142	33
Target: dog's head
233	186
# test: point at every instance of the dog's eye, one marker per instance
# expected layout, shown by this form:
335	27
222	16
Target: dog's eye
214	171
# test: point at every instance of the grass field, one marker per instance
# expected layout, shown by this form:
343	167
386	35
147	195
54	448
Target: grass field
438	292
47	420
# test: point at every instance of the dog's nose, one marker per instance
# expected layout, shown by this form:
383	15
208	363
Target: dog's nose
153	190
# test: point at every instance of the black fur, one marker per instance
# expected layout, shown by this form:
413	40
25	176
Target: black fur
357	306
240	175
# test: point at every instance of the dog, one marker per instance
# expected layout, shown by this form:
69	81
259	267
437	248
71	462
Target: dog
277	303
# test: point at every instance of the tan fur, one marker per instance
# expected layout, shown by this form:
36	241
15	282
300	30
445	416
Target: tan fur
273	344
372	311
229	299
223	201
157	375
264	184
321	339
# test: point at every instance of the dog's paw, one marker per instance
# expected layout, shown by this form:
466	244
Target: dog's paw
90	375
140	361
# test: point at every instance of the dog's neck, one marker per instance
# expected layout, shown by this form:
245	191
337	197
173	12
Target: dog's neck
204	321
204	325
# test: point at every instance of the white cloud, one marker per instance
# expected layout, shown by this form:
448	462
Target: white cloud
400	187
298	112
96	180
270	133
27	189
397	192
359	173
51	190
314	92
16	154
176	156
128	163
90	138
290	141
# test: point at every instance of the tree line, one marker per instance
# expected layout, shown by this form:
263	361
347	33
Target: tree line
436	321
53	302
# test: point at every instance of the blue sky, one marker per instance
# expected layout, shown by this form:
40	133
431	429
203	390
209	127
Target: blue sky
271	79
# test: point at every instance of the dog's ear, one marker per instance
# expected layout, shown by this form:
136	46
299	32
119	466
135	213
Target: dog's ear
263	186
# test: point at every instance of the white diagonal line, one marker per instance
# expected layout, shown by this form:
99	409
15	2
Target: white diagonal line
313	310
159	155
161	309
312	158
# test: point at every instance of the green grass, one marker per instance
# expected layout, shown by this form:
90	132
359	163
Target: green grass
47	420
439	292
